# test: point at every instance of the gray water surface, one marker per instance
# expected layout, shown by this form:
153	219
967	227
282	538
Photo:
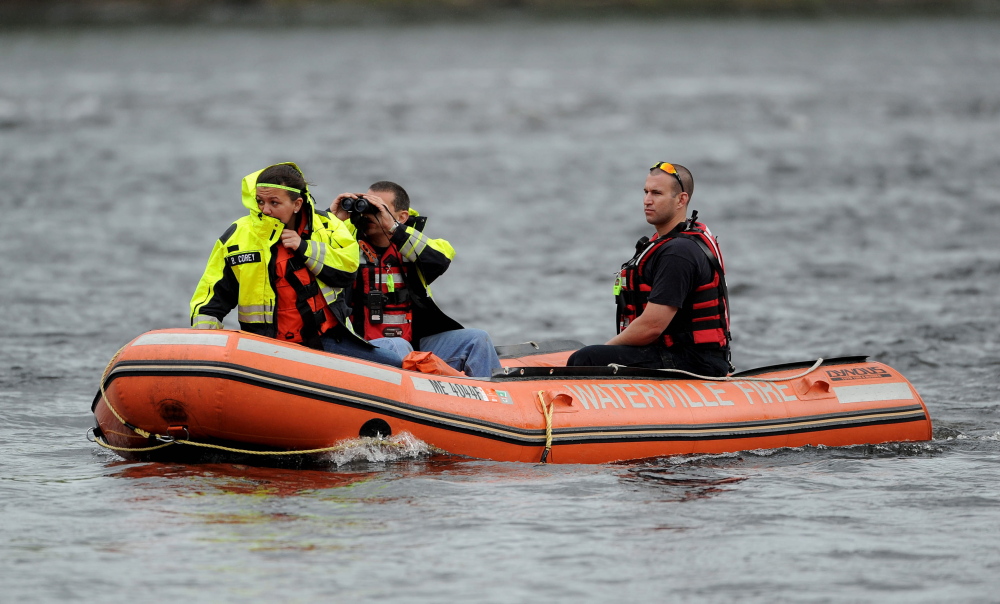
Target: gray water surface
850	169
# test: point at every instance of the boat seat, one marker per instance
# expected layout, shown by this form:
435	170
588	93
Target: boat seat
546	353
513	351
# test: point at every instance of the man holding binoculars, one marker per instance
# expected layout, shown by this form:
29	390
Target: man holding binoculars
391	299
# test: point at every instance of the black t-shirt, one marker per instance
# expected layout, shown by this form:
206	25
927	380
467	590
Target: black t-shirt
674	270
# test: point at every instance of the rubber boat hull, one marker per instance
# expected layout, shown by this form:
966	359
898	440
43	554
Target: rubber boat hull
236	389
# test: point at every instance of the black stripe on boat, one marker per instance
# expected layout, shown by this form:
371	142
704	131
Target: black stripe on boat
512	434
322	392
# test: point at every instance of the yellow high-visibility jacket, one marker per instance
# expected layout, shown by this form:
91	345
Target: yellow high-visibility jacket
241	273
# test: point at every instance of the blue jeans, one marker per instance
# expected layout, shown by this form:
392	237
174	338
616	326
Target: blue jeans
397	346
349	347
467	350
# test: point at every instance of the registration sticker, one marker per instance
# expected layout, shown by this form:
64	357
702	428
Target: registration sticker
450	389
505	397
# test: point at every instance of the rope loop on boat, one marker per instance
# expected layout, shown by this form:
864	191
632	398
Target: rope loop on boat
547	412
104	397
100	441
338	447
727	378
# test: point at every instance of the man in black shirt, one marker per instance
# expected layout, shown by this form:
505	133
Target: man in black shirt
673	309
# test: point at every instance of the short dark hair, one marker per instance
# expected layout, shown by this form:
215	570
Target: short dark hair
286	176
402	200
686	178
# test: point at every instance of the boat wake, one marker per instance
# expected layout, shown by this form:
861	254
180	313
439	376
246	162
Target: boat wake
369	449
891	449
960	436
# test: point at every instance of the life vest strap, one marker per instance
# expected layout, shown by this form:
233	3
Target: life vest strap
313	321
381	294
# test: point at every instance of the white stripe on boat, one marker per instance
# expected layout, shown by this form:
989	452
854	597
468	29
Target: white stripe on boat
305	356
898	391
184	339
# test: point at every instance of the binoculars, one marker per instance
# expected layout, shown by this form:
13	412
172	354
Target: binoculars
358	206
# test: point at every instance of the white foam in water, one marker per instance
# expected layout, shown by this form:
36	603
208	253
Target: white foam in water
994	436
400	446
770	452
685	459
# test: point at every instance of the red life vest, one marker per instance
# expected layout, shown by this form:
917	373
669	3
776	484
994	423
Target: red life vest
302	313
703	321
382	307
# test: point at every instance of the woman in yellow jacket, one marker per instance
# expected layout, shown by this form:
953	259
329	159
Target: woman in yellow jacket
284	268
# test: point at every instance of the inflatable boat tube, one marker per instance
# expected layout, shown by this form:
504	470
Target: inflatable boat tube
234	391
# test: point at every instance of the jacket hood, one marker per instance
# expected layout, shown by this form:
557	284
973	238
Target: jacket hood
250	190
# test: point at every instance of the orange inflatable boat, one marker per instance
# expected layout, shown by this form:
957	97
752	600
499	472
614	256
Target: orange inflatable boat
181	394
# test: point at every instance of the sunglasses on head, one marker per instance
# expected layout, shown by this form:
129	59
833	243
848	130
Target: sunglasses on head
671	170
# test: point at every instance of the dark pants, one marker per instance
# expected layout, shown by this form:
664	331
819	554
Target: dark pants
711	363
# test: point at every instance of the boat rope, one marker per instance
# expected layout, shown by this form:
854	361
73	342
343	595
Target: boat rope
170	440
339	447
727	378
547	412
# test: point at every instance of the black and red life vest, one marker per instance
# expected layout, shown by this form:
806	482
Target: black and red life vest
384	308
703	321
302	313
